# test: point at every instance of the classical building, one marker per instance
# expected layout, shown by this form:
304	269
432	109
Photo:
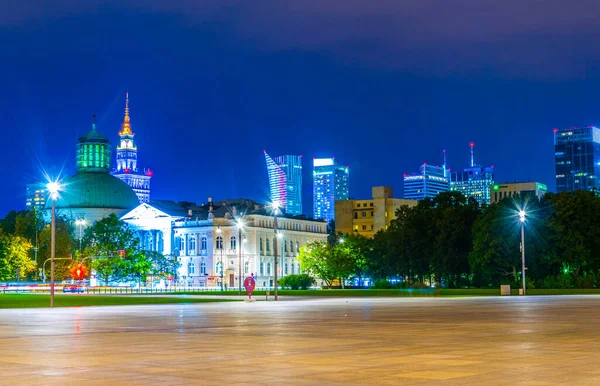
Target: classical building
127	169
474	181
206	239
577	158
330	183
517	189
92	193
367	217
285	181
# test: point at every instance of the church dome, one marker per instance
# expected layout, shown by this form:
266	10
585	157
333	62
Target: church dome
95	190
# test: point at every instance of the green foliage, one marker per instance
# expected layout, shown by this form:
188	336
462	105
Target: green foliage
326	261
294	282
14	256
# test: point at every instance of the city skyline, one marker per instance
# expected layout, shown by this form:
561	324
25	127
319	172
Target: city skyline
204	115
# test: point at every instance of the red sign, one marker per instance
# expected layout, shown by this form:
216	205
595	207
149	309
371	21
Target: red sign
249	286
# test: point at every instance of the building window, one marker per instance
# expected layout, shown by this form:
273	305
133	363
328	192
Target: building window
284	245
219	242
246	267
262	268
364	214
297	246
203	243
268	268
371	226
192	246
232	243
292	268
355	215
182	245
291	246
358	205
191	268
286	268
364	227
268	246
372	213
203	268
371	204
261	244
219	268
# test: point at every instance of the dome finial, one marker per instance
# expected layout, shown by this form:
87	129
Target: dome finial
126	130
93	121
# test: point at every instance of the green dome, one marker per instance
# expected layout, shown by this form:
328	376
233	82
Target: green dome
95	190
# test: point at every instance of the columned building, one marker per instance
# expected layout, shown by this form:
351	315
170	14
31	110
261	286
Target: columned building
127	169
206	240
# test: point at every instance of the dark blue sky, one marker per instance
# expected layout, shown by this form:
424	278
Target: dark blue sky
383	86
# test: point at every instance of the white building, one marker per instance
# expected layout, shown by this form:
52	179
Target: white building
206	238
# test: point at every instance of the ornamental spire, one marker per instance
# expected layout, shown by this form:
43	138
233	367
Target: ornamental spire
126	125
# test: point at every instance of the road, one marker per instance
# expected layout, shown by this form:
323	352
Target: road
438	341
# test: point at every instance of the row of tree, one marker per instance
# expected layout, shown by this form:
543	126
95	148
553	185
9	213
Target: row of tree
108	247
451	241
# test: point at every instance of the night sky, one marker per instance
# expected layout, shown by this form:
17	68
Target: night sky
381	85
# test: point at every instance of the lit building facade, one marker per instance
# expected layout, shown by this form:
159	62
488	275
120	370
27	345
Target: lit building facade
577	158
330	183
517	189
474	181
35	196
127	161
285	182
367	217
430	181
205	240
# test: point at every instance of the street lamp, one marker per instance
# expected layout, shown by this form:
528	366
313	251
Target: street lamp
80	222
240	226
275	207
522	215
53	188
219	232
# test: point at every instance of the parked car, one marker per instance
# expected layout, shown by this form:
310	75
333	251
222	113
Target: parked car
73	288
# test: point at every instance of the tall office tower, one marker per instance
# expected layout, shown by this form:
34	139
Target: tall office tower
330	183
35	196
474	181
127	168
285	181
430	181
577	158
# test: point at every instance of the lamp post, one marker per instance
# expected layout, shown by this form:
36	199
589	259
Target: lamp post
221	261
80	223
522	215
240	225
275	210
53	188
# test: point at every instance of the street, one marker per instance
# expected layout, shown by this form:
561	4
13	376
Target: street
449	341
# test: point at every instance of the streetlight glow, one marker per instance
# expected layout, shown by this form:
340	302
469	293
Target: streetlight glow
53	188
522	215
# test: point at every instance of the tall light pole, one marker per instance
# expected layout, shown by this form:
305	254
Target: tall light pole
53	188
275	210
80	223
240	225
221	261
522	215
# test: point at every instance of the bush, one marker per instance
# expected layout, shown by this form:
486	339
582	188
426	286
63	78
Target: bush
419	286
382	284
302	281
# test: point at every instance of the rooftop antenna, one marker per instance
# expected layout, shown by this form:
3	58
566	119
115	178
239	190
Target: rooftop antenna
444	166
472	145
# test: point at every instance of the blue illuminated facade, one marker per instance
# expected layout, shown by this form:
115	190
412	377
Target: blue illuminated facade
474	181
285	181
577	158
430	181
330	183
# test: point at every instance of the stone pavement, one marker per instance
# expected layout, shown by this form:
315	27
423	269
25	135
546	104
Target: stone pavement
401	341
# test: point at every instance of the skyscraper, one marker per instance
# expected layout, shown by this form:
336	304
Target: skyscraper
474	181
430	181
330	183
127	167
285	181
577	158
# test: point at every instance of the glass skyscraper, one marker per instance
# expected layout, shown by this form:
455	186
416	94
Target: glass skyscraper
430	181
285	181
577	158
330	183
474	181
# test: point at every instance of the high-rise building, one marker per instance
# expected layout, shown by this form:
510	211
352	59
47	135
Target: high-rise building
474	181
367	217
285	181
577	158
430	181
521	189
35	196
330	183
127	166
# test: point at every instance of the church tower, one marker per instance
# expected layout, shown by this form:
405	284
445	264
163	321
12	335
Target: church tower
127	162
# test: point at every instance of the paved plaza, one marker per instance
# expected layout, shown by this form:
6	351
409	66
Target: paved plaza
399	341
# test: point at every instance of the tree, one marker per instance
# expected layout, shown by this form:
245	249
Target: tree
357	250
14	257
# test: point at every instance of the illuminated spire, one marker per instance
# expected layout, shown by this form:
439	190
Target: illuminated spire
126	125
